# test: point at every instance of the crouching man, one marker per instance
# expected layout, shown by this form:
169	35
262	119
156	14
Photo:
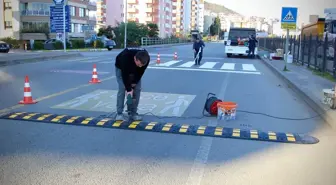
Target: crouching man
130	66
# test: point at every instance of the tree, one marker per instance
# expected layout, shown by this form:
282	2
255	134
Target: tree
108	32
153	30
135	32
215	27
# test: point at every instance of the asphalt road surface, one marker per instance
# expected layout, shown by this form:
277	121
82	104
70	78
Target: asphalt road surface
46	153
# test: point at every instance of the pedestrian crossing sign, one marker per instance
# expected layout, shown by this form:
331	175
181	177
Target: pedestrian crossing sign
289	18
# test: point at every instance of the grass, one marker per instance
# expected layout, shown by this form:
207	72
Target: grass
325	75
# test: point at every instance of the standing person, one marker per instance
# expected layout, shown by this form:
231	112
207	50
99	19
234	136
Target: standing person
252	45
198	46
130	66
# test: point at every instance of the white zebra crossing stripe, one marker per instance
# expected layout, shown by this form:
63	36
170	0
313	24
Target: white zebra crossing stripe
167	64
249	67
228	66
208	65
204	70
187	64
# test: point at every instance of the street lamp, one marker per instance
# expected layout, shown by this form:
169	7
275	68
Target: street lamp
125	14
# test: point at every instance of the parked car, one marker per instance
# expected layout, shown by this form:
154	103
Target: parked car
4	47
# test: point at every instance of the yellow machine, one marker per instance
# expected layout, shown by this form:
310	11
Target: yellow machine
314	29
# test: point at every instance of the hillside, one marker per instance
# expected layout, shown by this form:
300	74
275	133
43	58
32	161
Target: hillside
218	8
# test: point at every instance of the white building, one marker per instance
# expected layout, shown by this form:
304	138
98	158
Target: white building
200	16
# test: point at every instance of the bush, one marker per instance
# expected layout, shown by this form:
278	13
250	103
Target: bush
38	45
99	44
77	44
14	44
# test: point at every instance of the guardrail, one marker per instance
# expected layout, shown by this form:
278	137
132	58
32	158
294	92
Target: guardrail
148	41
313	52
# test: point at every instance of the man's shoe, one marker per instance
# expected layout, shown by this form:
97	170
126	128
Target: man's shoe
136	117
120	117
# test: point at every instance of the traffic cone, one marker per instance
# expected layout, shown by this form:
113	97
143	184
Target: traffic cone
27	95
94	79
158	59
175	56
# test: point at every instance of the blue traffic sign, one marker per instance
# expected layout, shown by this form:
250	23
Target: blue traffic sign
56	19
289	17
58	2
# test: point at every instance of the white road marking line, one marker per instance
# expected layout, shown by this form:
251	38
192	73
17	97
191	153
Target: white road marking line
201	159
187	64
249	67
170	63
208	65
105	62
228	66
204	70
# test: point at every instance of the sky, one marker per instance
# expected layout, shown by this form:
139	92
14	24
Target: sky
272	8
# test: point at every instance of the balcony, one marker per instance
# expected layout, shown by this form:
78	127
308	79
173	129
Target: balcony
133	19
132	1
132	10
35	13
149	9
149	19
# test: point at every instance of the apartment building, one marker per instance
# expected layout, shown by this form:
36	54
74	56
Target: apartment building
142	11
24	18
200	15
101	14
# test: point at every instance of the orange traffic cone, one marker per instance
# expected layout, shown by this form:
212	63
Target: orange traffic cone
158	59
94	79
27	95
175	56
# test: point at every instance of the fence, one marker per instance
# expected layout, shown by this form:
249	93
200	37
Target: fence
313	52
148	41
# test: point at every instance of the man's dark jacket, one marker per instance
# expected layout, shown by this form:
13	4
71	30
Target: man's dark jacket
130	72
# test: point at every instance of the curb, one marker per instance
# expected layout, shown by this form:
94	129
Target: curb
36	59
316	106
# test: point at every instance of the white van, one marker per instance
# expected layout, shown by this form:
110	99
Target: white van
237	43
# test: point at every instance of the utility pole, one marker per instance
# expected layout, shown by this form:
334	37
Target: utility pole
125	14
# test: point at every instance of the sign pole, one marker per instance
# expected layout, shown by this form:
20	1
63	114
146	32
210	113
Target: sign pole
286	50
64	37
288	21
125	37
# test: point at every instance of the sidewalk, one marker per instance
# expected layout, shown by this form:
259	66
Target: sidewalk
306	84
24	57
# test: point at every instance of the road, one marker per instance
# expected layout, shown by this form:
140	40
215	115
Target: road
47	153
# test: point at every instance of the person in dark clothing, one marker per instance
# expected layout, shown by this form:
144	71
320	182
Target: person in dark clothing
130	66
198	46
252	45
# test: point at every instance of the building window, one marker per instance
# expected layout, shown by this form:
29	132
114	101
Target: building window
81	12
87	12
7	5
73	11
72	27
122	14
8	24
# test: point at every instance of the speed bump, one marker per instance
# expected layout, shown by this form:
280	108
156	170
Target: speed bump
196	130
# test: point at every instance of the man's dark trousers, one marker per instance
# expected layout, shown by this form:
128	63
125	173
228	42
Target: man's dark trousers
197	62
121	95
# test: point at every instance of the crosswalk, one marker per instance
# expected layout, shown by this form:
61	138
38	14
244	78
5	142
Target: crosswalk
182	65
206	66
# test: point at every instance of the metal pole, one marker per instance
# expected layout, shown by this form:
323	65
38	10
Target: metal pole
64	37
286	50
125	37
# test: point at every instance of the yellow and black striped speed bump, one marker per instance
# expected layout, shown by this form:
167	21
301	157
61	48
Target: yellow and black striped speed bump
197	130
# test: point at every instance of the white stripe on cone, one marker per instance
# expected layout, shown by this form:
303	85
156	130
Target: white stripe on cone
26	85
27	94
94	76
94	70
